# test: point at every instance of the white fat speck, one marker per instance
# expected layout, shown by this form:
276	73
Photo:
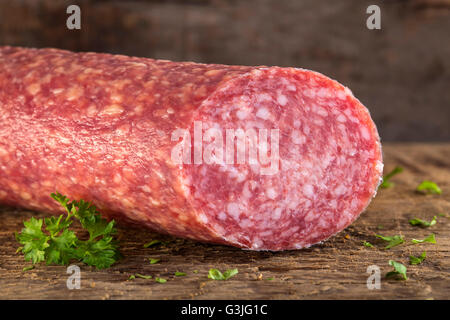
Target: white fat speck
341	95
379	166
257	243
170	111
318	122
341	118
277	213
222	216
340	190
322	93
263	113
308	190
241	114
292	88
321	111
365	133
233	210
203	218
271	193
245	223
297	138
282	100
297	124
306	130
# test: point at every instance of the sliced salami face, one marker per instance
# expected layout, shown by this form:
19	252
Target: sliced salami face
264	158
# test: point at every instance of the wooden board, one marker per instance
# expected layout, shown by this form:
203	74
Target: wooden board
336	269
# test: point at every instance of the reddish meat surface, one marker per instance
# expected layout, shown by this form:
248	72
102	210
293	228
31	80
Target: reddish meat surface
106	128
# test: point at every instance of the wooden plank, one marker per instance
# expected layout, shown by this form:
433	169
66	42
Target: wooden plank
334	269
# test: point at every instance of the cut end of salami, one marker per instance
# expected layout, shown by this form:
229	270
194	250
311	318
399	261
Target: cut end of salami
263	158
323	175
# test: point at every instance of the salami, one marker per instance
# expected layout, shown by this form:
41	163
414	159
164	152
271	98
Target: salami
263	158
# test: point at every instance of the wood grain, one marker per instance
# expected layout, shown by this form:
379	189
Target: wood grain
335	269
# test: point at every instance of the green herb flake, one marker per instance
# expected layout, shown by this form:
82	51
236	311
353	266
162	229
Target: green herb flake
386	183
28	268
51	240
153	261
152	243
195	271
142	276
215	274
417	260
399	270
431	239
367	244
132	277
429	187
392	241
270	278
422	223
180	274
380	227
160	280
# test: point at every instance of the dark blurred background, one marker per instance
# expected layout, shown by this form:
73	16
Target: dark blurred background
401	72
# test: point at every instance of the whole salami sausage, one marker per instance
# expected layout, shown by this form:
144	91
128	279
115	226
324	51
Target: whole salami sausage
264	158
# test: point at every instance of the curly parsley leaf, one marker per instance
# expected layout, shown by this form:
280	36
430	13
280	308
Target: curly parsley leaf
152	243
399	270
367	244
429	187
431	239
392	241
215	274
52	241
28	268
160	280
417	260
422	223
386	183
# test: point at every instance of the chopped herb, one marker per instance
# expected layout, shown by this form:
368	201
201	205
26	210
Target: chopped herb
51	240
392	241
143	276
429	187
367	244
270	278
152	243
160	280
215	274
417	260
386	183
180	274
132	277
399	270
422	223
153	261
28	268
431	239
380	227
195	271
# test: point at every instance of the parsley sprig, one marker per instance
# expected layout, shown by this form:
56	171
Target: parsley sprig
51	240
392	241
215	274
